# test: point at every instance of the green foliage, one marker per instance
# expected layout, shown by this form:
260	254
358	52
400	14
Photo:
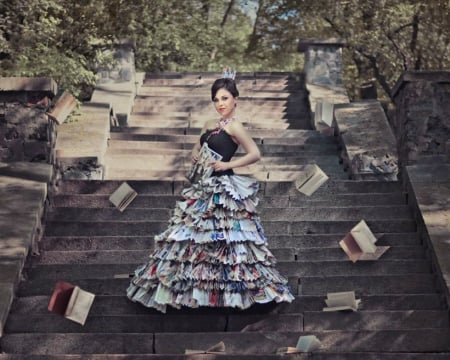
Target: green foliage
67	40
384	38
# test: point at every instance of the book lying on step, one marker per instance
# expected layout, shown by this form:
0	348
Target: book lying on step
340	301
202	169
310	180
123	196
71	302
306	343
218	348
359	244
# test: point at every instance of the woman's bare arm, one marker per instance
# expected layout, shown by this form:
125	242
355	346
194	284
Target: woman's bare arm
243	138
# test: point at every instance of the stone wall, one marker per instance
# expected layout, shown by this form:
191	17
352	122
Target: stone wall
25	134
421	120
323	61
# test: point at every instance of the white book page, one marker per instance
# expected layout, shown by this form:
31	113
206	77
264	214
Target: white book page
364	237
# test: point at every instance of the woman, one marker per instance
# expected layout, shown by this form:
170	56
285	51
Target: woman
214	252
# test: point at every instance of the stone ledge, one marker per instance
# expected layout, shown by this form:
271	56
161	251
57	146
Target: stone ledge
6	299
369	149
41	172
81	145
23	205
427	76
21	84
429	186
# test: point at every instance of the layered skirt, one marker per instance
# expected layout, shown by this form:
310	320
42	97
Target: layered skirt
213	253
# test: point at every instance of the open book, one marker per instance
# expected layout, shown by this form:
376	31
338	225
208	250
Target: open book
202	169
310	180
359	244
341	301
123	196
324	113
71	302
306	343
218	348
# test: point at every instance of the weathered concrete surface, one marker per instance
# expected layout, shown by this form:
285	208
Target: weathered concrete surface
421	120
21	223
26	84
429	186
40	172
369	148
81	144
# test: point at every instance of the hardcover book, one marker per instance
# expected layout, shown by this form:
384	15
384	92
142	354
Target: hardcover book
359	244
310	180
306	343
218	349
71	301
123	196
339	301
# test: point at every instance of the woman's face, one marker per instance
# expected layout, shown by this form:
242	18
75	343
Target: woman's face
224	103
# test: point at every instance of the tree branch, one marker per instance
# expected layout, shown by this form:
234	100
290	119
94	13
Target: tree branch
376	71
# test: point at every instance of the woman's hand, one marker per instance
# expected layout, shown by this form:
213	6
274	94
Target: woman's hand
220	166
194	158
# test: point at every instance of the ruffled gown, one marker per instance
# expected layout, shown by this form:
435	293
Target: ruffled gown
214	252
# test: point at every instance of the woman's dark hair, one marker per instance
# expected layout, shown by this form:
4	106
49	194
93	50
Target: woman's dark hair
224	83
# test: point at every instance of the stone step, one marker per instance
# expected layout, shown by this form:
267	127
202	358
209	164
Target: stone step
317	356
153	227
301	136
287	188
422	340
109	264
200	102
266	173
205	92
156	147
307	285
168	323
293	214
120	305
139	148
266	160
168	201
262	173
180	150
74	243
249	123
154	135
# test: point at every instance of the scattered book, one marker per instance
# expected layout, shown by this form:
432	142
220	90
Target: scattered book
340	301
65	104
71	301
310	180
306	343
359	244
218	348
202	169
324	113
123	196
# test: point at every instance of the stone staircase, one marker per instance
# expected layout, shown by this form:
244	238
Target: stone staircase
88	242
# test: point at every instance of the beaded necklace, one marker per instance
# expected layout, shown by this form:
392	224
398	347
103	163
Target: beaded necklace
221	124
224	122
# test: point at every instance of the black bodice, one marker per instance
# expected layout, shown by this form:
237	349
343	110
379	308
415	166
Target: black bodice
221	142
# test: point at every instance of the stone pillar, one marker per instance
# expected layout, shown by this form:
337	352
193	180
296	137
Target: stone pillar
323	61
24	124
421	121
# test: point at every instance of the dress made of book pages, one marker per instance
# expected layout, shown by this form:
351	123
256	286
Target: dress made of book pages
214	252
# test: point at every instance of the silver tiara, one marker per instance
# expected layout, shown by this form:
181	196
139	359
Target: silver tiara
229	73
